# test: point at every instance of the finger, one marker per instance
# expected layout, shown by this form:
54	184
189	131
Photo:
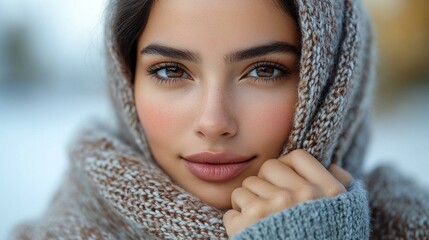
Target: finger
229	221
229	216
242	197
259	187
340	174
235	221
313	171
281	175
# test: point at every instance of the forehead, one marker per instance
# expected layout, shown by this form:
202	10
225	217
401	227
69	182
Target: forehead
218	24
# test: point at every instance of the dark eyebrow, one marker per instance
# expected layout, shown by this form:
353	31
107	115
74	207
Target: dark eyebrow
184	54
274	47
171	52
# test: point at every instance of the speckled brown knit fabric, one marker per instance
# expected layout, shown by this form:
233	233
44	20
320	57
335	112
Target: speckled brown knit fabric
400	207
114	190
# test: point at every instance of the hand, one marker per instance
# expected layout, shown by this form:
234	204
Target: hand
280	184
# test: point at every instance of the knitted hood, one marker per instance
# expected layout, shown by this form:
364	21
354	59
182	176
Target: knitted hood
336	75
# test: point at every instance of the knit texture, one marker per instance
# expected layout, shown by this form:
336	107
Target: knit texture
345	216
400	207
115	190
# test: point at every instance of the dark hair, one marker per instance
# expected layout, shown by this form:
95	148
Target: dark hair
129	18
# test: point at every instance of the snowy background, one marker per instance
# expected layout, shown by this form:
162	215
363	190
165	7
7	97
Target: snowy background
52	81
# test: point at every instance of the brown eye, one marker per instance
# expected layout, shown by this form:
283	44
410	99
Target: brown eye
267	73
264	71
172	72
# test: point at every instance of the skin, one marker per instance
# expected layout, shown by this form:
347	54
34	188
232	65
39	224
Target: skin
209	104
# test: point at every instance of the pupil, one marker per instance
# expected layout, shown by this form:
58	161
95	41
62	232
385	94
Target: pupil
265	71
174	72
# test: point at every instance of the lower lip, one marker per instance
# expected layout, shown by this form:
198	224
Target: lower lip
216	172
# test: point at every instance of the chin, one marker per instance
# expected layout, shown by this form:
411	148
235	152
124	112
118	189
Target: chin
214	194
221	201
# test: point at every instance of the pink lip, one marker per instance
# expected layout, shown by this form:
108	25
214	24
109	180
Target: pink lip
216	166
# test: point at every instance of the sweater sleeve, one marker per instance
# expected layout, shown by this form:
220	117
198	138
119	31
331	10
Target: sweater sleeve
345	216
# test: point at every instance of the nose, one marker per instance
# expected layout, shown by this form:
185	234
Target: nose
215	120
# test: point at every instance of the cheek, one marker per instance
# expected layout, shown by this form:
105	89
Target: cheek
159	118
277	121
156	119
271	125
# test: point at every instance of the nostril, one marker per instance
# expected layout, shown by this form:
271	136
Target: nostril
213	125
225	134
201	134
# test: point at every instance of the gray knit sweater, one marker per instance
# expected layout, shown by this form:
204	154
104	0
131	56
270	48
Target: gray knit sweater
345	216
115	190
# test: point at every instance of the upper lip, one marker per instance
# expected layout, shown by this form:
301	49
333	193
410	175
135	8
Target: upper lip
217	158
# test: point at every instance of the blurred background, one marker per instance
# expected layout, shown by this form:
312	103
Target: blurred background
52	81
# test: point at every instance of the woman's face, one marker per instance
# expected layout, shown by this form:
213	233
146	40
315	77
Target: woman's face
215	90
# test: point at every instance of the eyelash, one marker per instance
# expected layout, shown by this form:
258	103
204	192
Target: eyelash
284	72
152	71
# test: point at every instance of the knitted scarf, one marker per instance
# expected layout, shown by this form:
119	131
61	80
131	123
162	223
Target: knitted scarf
115	190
